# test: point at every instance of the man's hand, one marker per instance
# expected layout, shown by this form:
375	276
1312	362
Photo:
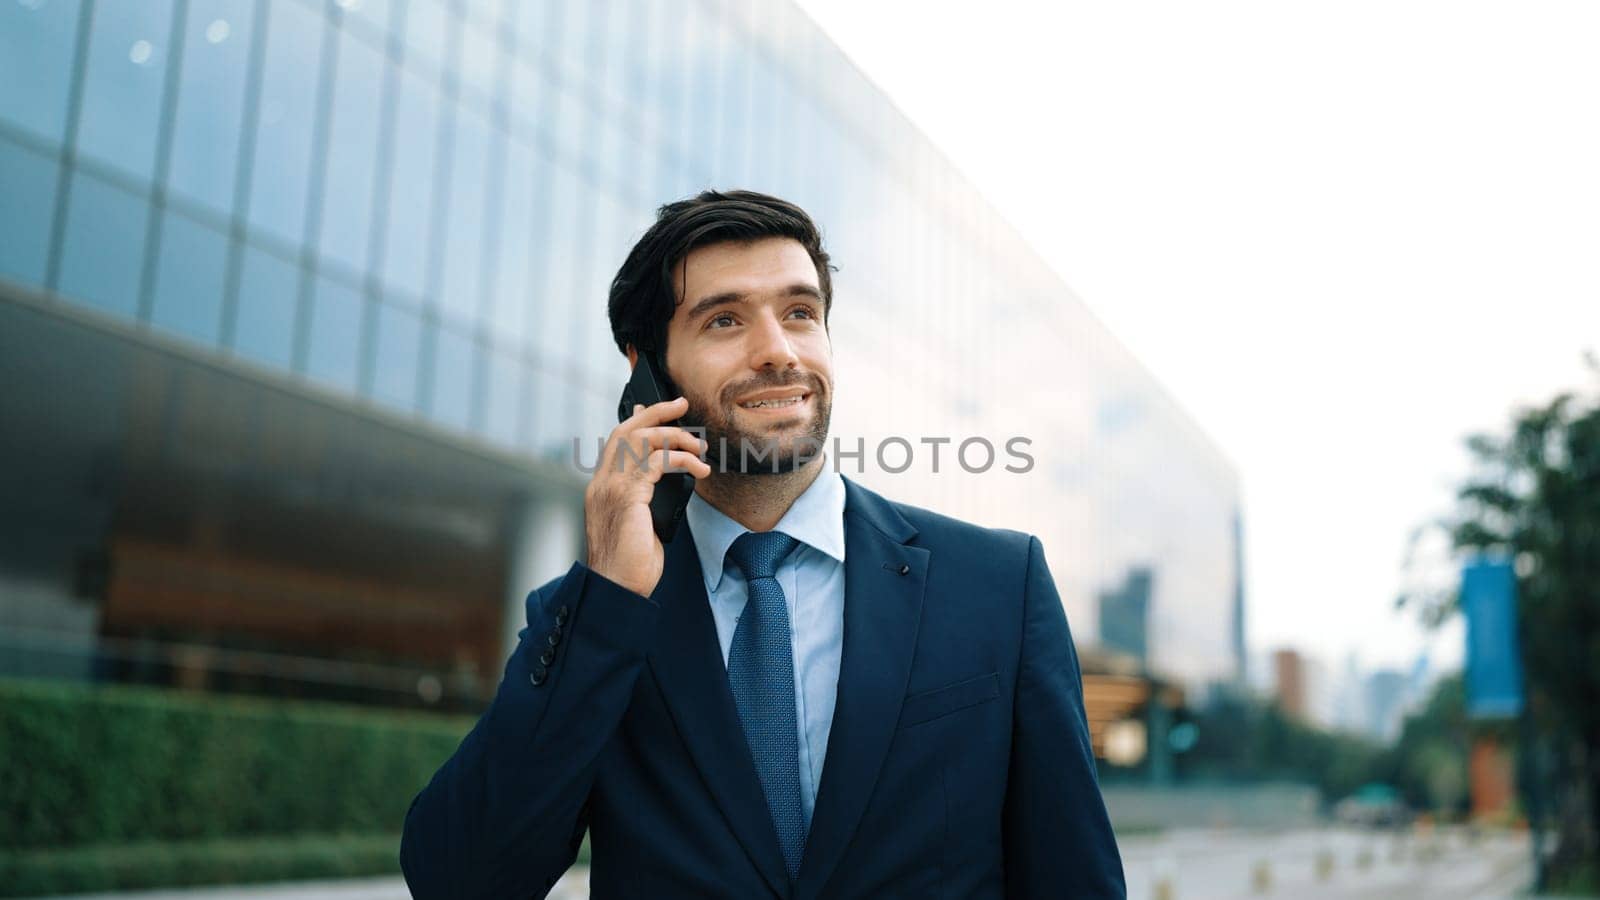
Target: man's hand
623	545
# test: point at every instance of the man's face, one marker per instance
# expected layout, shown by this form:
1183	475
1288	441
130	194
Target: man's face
750	329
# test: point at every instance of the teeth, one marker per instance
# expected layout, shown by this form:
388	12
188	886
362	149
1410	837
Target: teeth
763	404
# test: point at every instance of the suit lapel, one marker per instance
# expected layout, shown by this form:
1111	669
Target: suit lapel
882	612
688	667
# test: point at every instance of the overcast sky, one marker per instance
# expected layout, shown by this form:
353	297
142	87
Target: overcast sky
1343	235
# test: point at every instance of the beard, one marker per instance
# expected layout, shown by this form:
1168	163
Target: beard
735	450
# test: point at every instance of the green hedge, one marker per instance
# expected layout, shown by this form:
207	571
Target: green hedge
85	765
30	873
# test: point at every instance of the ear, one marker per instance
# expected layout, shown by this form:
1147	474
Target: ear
633	357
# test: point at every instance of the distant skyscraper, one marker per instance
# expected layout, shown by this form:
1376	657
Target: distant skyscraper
1386	702
1125	616
1240	655
1290	683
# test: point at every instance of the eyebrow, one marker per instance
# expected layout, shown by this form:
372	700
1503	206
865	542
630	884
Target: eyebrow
798	289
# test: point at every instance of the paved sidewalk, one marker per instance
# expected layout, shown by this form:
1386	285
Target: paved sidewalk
1307	864
575	886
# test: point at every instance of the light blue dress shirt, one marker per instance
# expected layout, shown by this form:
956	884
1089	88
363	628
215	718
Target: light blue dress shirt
812	578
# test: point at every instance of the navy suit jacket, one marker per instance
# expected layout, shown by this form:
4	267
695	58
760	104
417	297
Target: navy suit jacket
958	765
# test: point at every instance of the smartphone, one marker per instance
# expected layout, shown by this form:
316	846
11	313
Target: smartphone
647	386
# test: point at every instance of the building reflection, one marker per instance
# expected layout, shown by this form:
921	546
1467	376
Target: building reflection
301	306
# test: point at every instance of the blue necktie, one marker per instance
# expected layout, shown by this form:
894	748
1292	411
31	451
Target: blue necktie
761	673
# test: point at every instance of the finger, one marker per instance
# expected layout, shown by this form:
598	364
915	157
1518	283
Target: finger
641	419
666	436
664	461
660	413
633	451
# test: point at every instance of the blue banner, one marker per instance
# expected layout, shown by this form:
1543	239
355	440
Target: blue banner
1494	660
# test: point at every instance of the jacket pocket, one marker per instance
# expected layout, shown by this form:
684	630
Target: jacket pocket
926	706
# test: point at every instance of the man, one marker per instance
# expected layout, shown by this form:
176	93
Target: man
811	691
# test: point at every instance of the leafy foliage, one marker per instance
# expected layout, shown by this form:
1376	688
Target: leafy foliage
86	765
147	864
1242	739
1535	498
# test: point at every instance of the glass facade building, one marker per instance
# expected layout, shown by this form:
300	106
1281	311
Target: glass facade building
375	236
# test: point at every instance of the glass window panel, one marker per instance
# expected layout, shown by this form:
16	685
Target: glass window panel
613	236
126	70
787	142
552	427
333	348
734	116
502	399
551	315
572	49
610	67
763	127
642	61
428	24
748	20
205	137
285	121
37	41
574	123
663	186
671	77
657	178
487	14
462	286
27	206
526	103
398	344
535	23
269	291
515	236
454	365
189	279
594	407
480	62
347	189
692	179
613	151
527	432
705	96
373	12
406	248
102	254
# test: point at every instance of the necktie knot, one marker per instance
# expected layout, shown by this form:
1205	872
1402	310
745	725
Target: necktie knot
759	553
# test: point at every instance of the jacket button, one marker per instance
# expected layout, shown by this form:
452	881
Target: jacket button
561	616
905	569
547	657
539	676
553	638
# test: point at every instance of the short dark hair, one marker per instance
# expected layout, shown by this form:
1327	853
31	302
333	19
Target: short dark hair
643	297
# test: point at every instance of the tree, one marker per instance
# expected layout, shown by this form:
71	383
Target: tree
1428	762
1241	739
1535	498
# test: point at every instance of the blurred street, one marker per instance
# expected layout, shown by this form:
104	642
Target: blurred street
1326	863
1309	864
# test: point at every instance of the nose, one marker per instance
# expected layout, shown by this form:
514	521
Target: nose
769	344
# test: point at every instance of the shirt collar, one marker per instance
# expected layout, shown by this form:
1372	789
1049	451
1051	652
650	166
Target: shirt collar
816	519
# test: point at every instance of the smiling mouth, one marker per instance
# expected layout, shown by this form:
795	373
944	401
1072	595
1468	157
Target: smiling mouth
777	403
